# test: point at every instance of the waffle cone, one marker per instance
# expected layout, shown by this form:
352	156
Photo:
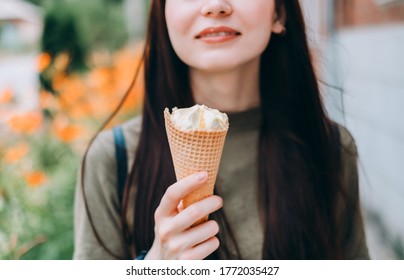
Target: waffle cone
194	151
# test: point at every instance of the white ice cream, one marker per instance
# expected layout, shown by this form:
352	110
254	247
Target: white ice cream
199	117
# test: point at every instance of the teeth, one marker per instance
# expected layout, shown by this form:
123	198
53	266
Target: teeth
219	34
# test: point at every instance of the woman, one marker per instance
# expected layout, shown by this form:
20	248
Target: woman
287	186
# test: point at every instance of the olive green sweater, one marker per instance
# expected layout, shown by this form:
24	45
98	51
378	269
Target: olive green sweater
236	182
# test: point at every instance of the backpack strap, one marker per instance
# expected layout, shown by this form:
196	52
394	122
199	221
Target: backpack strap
121	160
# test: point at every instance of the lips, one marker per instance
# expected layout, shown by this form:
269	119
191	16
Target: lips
217	32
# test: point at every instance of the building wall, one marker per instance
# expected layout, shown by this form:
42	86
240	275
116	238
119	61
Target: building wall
363	55
352	13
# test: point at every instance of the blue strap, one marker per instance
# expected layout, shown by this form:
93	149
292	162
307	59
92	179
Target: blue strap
142	255
122	169
121	160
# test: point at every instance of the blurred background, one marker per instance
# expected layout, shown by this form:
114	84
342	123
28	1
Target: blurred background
65	65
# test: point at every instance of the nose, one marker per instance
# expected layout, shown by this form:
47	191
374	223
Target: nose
217	8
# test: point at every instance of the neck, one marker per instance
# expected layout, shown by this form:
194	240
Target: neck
233	90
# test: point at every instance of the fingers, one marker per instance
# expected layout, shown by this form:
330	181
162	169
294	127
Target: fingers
174	239
202	250
196	211
184	241
180	206
178	191
198	234
168	228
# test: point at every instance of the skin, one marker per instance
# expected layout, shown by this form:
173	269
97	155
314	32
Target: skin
224	76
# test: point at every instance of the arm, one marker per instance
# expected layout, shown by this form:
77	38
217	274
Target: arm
101	194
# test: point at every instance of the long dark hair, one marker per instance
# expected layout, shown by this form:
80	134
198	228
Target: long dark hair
299	165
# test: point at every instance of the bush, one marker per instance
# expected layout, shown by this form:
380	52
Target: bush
37	197
39	157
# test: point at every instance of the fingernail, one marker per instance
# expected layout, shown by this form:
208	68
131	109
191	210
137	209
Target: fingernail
200	176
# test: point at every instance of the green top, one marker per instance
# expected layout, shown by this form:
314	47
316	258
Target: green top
236	183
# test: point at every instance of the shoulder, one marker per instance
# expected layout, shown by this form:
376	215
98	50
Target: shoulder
349	158
131	131
99	167
349	165
103	148
347	141
133	126
101	151
349	169
100	160
353	235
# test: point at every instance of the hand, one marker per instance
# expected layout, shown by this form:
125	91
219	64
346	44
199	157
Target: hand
174	238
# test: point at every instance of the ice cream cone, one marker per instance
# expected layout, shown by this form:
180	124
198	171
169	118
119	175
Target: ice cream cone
194	151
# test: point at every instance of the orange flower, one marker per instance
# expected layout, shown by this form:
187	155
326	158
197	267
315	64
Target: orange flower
100	77
135	98
62	61
44	59
6	96
15	153
35	179
59	80
96	94
70	133
47	100
26	123
81	110
65	131
72	93
126	64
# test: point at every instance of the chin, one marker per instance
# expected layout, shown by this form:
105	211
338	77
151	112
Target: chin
216	65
